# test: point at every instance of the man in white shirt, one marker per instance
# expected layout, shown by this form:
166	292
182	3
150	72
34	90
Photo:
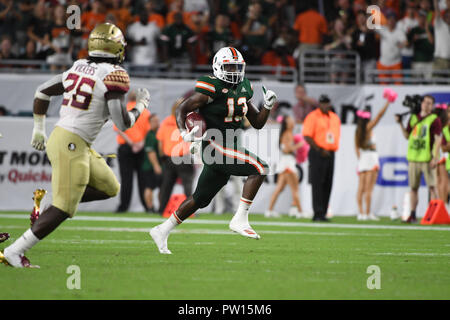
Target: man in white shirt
142	37
442	39
392	41
405	25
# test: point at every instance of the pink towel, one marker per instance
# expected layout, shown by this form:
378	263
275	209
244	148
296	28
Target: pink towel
302	153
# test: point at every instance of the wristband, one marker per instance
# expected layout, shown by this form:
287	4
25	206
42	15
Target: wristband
39	122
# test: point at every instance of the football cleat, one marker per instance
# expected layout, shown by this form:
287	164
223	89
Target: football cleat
243	228
160	239
16	261
4	236
294	213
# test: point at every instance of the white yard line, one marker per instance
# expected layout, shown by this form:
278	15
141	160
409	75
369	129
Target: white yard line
420	254
253	223
206	231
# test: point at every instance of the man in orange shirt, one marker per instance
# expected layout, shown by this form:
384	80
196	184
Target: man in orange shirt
131	154
322	130
311	26
175	158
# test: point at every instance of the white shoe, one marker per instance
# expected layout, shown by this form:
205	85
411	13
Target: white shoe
362	217
15	260
160	239
294	213
271	214
373	217
243	228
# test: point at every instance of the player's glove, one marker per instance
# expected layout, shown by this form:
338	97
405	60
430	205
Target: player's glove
190	136
39	138
269	98
142	99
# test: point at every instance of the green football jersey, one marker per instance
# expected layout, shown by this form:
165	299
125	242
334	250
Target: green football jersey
228	105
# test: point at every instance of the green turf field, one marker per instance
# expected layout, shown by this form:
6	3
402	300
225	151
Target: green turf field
295	259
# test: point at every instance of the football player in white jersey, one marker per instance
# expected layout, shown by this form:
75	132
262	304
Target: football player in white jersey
93	91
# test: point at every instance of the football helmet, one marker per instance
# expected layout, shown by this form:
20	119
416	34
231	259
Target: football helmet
107	41
229	65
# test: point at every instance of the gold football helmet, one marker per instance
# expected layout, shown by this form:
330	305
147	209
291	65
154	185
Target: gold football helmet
107	41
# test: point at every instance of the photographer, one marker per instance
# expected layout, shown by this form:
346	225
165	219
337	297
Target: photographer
424	141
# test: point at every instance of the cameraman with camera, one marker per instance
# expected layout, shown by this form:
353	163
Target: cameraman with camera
424	141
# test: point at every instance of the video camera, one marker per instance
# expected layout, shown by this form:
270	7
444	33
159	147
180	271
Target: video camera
413	103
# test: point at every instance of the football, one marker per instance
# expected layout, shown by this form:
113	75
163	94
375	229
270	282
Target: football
195	119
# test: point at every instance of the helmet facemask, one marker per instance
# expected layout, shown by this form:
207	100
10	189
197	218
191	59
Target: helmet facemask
233	72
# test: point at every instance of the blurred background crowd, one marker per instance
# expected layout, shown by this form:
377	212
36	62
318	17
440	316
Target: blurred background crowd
267	32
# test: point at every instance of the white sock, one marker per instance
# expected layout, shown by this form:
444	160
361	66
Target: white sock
24	243
170	223
242	211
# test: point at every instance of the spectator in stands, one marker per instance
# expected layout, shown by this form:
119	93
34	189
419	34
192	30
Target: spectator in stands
311	27
254	31
278	56
441	39
220	36
30	51
39	30
91	18
151	168
340	40
25	9
130	156
121	14
286	169
365	43
153	15
425	5
321	129
5	49
175	158
142	38
391	43
9	15
178	42
406	24
304	105
177	7
422	40
61	42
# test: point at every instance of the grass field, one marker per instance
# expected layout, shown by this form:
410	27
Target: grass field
295	259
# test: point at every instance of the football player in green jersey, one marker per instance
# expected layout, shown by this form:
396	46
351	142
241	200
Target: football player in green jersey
223	101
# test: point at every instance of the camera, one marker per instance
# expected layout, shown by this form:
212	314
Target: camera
413	103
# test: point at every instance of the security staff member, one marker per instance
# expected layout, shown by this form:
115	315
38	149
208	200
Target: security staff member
424	141
322	130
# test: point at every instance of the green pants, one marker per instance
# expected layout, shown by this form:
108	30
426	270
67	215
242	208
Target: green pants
219	164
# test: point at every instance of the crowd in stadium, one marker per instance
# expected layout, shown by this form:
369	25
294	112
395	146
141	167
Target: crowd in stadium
267	32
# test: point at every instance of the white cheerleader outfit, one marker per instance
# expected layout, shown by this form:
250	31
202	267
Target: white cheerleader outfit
368	159
287	162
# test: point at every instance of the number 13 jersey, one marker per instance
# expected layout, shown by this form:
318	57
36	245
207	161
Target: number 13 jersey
84	110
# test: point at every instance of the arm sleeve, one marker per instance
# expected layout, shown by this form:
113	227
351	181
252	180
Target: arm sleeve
116	111
206	86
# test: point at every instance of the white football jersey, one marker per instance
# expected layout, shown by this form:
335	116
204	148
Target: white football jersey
84	110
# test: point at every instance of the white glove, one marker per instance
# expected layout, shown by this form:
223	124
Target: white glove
142	99
269	98
190	136
39	138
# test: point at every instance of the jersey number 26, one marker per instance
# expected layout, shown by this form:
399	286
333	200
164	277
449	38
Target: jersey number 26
79	93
